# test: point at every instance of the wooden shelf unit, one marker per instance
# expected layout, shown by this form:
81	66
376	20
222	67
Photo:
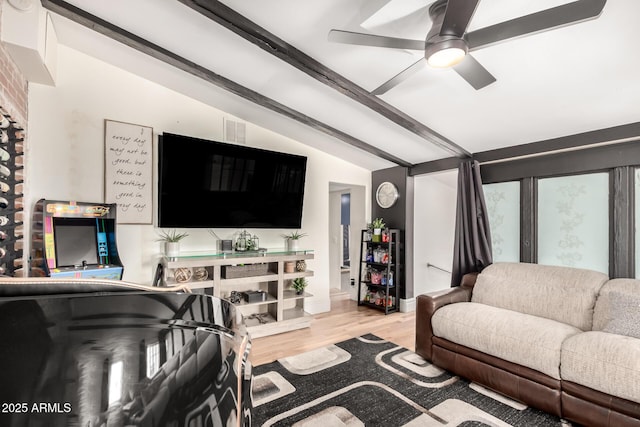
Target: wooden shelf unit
282	311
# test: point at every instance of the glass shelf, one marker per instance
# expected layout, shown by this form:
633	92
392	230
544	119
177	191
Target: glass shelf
238	254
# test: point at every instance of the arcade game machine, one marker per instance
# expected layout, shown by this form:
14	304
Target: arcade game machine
74	240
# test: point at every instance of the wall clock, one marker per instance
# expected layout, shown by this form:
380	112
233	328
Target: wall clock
387	194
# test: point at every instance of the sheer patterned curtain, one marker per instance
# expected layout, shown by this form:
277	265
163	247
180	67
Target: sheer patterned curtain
503	211
573	221
472	246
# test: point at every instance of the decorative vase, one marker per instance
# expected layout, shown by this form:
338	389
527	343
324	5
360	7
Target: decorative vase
292	244
171	249
377	233
289	266
301	265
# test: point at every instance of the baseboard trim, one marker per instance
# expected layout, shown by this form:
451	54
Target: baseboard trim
407	305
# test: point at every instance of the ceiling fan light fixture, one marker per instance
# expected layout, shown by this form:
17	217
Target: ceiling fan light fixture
446	58
445	53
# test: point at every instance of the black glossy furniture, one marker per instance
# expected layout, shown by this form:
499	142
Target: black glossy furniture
99	353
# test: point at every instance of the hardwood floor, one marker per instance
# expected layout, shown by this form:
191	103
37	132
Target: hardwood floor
345	320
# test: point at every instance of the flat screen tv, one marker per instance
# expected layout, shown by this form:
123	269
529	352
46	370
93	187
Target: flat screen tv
208	184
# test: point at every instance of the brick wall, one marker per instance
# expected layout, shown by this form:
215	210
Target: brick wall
13	85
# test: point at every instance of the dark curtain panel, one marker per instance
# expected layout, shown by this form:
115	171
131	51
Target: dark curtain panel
472	247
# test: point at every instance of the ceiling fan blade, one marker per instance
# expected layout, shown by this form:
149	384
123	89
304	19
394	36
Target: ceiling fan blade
556	17
400	77
474	73
457	17
363	39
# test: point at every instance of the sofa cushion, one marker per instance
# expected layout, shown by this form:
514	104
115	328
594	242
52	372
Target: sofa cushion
627	315
614	291
530	341
564	294
605	362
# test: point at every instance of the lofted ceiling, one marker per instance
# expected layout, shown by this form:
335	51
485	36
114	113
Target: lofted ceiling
567	81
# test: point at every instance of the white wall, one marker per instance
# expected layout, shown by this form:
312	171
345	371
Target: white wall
434	230
65	156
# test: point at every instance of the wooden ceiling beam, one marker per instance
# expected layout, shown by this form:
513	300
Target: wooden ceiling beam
101	26
613	138
269	42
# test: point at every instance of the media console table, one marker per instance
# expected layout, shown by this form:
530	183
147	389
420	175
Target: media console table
278	308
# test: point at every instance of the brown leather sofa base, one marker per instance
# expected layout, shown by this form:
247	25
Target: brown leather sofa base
544	394
590	407
510	367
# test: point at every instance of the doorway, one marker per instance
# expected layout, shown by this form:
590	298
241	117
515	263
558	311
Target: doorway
346	219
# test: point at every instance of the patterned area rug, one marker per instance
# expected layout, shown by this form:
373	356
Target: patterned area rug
368	381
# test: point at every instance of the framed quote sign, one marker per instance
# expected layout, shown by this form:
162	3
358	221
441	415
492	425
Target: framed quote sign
128	172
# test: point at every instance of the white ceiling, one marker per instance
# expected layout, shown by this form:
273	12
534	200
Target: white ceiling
562	82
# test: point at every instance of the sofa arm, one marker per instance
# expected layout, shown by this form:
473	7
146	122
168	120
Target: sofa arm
469	280
426	306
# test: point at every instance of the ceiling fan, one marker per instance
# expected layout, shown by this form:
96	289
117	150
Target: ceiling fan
448	43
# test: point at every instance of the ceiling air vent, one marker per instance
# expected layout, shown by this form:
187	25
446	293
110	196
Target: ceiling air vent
234	131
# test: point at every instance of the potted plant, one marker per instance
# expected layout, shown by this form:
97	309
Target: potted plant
171	239
377	224
299	284
368	233
292	239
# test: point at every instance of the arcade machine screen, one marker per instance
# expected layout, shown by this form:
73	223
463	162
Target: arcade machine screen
76	241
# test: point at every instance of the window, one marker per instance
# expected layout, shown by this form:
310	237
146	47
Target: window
168	343
573	221
115	382
503	208
153	359
576	206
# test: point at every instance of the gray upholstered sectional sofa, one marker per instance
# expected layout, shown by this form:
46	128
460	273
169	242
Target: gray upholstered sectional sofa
561	339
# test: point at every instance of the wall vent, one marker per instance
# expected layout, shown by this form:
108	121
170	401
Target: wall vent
234	131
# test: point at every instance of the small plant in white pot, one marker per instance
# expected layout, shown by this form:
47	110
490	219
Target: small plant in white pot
377	224
369	232
292	240
299	284
171	239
